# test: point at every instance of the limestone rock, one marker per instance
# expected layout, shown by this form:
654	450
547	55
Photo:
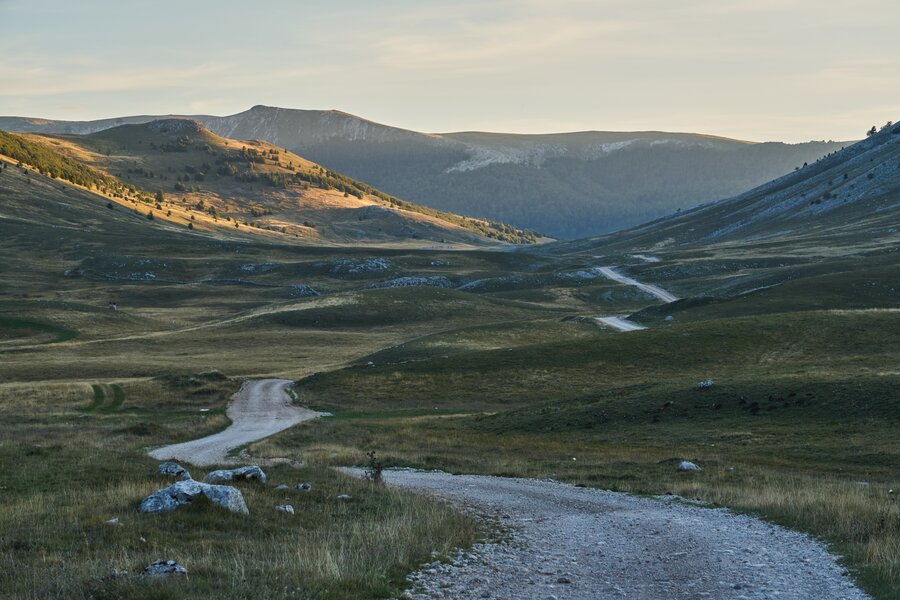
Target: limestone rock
249	473
185	492
170	468
164	567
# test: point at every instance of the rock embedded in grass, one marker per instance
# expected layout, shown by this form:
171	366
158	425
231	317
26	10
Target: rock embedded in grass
303	487
160	568
249	473
285	508
687	465
184	492
171	468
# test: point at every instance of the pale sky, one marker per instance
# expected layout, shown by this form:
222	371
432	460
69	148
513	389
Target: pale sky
790	70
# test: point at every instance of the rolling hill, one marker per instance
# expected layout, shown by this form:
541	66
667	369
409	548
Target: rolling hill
177	170
848	199
565	185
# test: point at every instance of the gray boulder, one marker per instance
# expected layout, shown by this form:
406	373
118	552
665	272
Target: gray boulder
249	473
285	508
164	567
185	492
687	465
174	469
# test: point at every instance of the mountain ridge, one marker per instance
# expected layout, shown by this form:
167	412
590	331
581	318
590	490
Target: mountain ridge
567	185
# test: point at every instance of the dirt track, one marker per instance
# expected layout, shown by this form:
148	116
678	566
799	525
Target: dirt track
567	542
261	408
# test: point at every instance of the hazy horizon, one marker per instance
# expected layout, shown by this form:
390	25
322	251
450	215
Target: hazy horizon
782	71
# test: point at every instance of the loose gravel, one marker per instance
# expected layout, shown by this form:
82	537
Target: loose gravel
565	542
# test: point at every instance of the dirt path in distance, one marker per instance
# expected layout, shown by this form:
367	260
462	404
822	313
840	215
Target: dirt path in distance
261	408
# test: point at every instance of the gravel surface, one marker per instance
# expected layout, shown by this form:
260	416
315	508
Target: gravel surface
567	542
261	408
657	291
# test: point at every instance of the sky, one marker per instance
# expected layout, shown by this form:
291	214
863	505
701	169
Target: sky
786	70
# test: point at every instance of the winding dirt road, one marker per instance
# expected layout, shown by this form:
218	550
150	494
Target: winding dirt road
611	273
573	543
261	408
620	323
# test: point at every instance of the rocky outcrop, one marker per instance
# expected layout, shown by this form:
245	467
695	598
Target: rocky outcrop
184	492
249	473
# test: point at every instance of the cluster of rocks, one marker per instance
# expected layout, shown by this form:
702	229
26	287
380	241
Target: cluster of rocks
302	290
354	266
399	282
184	492
249	473
252	268
187	490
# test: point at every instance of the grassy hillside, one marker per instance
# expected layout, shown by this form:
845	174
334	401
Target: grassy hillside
255	184
565	185
468	360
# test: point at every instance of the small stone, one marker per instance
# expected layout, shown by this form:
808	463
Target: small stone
281	488
303	487
285	508
687	465
344	497
171	468
114	521
563	580
164	567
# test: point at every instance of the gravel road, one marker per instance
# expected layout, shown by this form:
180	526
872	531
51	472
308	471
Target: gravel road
620	323
611	273
261	408
567	542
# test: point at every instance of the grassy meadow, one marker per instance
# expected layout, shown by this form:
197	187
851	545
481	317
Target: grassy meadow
503	372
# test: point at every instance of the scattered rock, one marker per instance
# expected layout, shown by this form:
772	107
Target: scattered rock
304	487
705	384
164	567
356	266
249	473
114	522
170	468
344	497
434	281
563	580
687	465
282	487
185	492
669	318
285	508
301	290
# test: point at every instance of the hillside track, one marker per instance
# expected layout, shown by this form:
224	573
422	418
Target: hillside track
261	408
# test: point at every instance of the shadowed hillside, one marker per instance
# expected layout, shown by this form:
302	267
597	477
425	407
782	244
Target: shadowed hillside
564	185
